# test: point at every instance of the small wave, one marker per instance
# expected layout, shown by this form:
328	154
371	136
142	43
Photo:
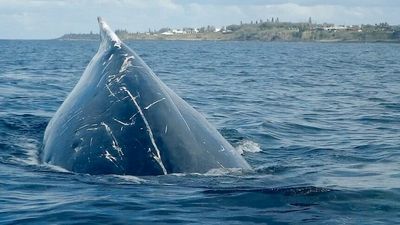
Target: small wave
23	122
55	168
224	172
379	119
232	135
30	151
131	179
275	169
248	146
179	174
212	173
391	105
288	191
215	172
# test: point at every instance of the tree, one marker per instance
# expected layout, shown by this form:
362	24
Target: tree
165	29
233	27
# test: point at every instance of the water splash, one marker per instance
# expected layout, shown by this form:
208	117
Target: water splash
248	146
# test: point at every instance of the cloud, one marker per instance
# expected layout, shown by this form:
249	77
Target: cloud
220	14
52	18
351	3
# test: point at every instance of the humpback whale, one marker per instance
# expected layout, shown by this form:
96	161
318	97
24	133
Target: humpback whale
120	118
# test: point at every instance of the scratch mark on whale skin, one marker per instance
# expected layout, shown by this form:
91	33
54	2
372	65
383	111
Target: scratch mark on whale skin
110	157
117	44
124	123
112	93
109	58
115	144
148	107
127	63
156	155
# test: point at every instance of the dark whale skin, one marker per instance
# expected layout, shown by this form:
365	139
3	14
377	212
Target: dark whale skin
121	118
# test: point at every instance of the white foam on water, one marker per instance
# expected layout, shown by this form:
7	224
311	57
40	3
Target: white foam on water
213	172
56	168
30	148
248	146
131	179
178	174
224	171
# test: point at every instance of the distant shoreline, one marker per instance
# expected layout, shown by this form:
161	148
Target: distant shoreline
265	31
221	40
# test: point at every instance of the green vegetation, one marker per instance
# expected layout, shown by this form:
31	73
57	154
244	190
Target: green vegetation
272	30
90	36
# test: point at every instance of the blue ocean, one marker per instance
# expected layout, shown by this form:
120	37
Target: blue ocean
318	122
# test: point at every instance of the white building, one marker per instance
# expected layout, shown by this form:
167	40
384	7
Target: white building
167	33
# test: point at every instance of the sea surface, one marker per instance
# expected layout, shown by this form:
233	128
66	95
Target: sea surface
318	122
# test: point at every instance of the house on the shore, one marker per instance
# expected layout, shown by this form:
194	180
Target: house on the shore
167	33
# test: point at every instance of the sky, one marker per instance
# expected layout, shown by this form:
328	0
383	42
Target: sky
45	19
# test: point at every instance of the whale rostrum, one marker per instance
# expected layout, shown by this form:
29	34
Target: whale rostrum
121	118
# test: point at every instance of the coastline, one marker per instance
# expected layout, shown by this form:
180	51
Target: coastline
264	31
327	41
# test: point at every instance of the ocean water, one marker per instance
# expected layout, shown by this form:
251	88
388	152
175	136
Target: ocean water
318	122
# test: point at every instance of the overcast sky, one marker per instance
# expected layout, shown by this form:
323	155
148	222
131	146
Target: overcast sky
42	19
